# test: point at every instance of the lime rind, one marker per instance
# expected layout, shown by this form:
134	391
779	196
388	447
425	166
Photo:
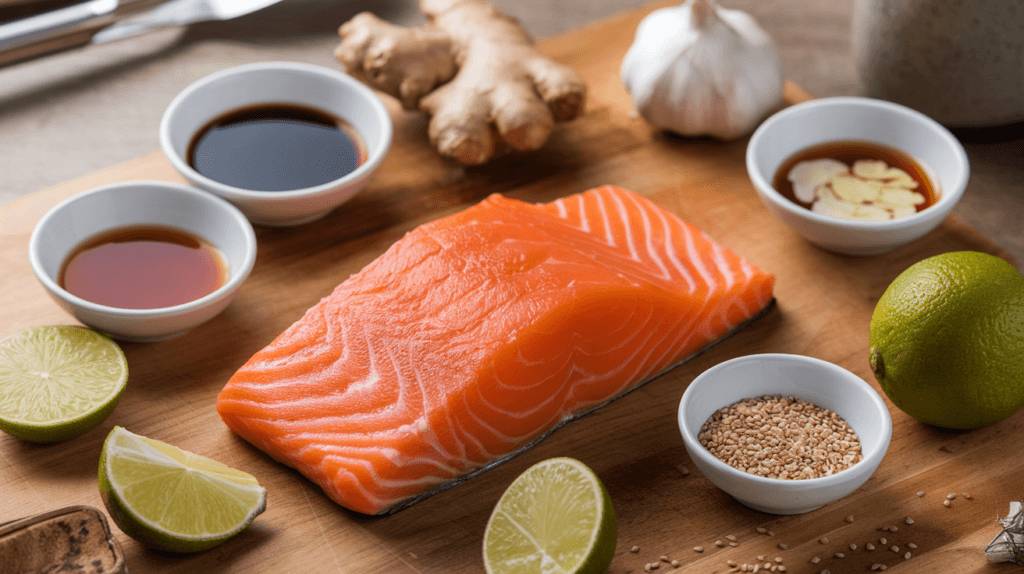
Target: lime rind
556	517
57	382
158	478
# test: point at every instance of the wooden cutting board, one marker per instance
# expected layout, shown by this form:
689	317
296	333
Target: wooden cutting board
824	305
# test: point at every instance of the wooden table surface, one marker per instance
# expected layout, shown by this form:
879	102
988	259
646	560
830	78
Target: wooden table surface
824	305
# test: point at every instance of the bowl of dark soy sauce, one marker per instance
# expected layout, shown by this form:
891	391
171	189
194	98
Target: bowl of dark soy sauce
285	142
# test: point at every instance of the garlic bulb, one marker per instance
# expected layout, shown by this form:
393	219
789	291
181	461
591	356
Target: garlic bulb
698	69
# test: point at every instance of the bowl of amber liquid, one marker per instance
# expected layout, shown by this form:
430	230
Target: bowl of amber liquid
857	176
143	261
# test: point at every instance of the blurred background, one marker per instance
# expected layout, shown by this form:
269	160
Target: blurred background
76	112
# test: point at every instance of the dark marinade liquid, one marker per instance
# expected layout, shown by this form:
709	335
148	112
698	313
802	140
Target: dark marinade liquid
143	267
849	152
276	147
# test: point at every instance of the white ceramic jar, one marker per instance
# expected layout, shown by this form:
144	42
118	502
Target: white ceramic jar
961	62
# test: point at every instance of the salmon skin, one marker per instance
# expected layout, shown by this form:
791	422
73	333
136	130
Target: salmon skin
477	334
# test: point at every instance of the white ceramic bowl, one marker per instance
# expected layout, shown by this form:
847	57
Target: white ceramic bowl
835	119
813	380
83	216
278	82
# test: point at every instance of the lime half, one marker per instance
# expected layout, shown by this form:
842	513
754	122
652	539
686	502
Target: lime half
58	382
171	499
554	518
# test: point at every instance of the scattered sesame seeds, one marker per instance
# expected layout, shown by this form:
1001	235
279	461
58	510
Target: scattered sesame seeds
823	540
951	496
849	519
909	520
698	549
781	437
947	503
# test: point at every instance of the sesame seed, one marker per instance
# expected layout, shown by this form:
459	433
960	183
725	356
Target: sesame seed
912	546
782	568
760	558
770	533
734	544
685	471
698	549
761	529
906	556
674	563
655	565
825	571
778	559
840	555
802	441
663	558
635	549
951	496
920	493
823	540
731	563
853	547
757	568
893	529
730	537
883	567
647	567
815	560
783	546
909	520
882	541
967	496
849	518
869	546
875	566
946	503
895	549
719	543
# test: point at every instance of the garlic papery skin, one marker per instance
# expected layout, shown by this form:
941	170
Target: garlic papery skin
701	70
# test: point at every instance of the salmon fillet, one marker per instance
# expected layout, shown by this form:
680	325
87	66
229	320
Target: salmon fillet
477	334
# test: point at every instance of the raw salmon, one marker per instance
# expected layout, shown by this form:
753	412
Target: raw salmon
477	334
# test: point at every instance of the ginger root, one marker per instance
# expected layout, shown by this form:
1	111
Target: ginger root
473	69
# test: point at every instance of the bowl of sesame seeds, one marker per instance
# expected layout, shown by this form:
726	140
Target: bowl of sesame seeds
784	434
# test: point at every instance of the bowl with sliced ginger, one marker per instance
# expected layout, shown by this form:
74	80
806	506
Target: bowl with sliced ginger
170	499
58	382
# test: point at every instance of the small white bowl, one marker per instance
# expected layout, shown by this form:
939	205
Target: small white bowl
813	380
278	82
102	209
864	119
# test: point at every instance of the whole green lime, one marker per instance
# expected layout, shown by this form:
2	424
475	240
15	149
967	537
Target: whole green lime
947	340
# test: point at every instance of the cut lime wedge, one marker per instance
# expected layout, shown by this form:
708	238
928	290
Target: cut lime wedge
58	382
171	499
555	518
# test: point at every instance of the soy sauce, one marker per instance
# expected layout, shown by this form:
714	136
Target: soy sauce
276	147
143	267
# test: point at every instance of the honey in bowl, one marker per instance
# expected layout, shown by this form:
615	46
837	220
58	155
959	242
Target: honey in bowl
276	147
143	267
856	180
